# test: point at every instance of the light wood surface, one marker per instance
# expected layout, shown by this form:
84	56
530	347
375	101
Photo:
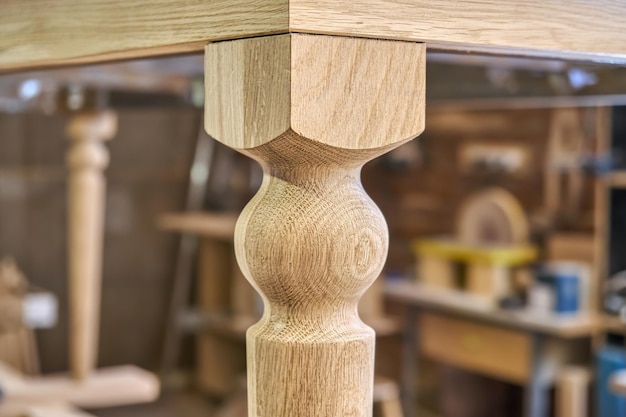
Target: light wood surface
591	30
491	281
244	78
613	324
489	350
436	271
244	301
312	110
45	409
212	225
60	32
293	73
456	303
571	247
616	179
387	395
493	216
86	159
107	387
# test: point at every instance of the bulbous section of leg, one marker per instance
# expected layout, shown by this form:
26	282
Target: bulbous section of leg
311	241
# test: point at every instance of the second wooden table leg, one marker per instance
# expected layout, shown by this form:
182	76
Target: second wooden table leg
87	159
312	110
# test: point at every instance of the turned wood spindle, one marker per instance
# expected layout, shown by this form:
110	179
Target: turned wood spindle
87	159
312	110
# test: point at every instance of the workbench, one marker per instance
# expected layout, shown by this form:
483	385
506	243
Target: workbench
464	331
312	89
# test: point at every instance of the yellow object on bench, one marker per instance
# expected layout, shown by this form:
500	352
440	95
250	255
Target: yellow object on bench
505	255
488	267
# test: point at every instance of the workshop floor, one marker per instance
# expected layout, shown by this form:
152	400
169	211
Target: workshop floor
188	405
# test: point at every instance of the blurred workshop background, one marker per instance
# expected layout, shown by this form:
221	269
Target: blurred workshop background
504	292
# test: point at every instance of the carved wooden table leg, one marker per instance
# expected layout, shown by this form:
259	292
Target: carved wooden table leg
109	387
312	110
87	160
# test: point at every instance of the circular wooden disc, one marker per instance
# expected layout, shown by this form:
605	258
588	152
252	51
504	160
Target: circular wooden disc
493	216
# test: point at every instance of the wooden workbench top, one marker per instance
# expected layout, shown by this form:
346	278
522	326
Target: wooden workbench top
472	307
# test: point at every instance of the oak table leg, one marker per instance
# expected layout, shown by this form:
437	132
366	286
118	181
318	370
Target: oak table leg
115	386
87	159
312	110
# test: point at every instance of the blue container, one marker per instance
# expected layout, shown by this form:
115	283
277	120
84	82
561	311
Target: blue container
565	284
567	293
610	360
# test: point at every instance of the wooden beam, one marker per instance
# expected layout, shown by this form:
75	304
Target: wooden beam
587	30
36	33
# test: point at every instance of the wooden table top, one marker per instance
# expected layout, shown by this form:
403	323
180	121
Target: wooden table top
44	33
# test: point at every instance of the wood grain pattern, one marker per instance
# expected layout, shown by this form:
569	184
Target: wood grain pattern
248	90
61	32
35	33
262	87
486	349
87	160
591	30
311	241
357	84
